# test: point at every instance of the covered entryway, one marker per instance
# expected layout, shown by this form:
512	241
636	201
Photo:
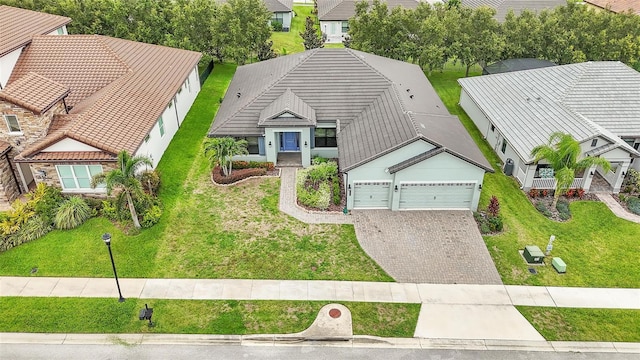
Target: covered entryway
436	195
371	195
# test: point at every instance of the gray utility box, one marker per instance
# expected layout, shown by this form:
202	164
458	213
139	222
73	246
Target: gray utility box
559	265
533	255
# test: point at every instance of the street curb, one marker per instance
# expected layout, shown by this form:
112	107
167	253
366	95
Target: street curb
357	341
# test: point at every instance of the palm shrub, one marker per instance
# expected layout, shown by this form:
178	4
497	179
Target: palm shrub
125	180
72	213
562	153
220	152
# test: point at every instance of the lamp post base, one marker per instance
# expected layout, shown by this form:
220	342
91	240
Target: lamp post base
121	299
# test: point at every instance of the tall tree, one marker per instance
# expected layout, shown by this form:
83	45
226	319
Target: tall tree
310	36
265	52
480	40
562	152
125	180
220	152
245	26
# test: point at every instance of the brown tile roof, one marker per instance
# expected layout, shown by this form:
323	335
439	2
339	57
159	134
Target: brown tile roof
617	6
119	87
20	25
83	63
4	147
70	156
34	92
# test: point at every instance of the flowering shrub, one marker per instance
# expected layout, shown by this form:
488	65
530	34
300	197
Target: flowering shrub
533	193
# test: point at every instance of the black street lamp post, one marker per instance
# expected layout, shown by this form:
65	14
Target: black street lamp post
106	237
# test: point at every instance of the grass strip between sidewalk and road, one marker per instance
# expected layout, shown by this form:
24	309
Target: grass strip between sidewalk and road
224	317
573	324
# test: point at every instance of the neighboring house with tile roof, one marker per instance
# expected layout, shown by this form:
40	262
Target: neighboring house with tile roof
616	6
517	6
72	102
397	145
334	15
596	102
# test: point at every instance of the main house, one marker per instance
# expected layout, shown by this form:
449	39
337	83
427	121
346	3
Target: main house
70	103
334	15
397	145
596	102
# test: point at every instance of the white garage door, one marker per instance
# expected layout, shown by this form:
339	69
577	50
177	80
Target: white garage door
436	195
371	195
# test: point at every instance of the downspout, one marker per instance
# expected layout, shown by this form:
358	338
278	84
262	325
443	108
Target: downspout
13	173
175	105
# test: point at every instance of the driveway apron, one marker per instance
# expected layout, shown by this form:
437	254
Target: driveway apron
437	247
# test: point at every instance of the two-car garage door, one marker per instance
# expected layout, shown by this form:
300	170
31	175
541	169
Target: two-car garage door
414	195
434	195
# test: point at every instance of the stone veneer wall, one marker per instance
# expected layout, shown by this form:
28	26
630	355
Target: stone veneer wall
8	187
34	127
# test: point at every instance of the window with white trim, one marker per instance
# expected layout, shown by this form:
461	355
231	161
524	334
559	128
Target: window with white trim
325	137
78	177
12	123
161	126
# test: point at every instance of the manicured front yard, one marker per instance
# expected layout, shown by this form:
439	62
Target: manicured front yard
600	249
195	317
568	324
206	231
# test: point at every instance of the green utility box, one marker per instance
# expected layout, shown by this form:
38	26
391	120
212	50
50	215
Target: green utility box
533	255
559	265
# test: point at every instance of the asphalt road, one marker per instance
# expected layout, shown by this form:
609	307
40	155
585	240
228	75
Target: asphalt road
293	352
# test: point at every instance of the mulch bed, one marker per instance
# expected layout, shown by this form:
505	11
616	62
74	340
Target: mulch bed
624	203
332	207
548	200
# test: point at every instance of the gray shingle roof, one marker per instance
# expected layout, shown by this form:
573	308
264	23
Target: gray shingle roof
379	103
503	6
343	10
586	100
279	5
288	102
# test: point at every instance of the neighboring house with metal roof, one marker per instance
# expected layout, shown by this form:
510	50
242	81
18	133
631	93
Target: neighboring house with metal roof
596	102
504	6
72	102
397	145
616	6
334	15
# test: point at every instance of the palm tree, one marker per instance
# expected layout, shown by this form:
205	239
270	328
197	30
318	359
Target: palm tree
220	152
124	179
562	153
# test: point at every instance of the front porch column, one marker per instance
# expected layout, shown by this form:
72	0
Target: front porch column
622	169
588	177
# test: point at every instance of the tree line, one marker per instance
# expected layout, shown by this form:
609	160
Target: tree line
432	35
234	30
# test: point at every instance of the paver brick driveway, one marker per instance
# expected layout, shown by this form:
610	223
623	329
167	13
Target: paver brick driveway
438	247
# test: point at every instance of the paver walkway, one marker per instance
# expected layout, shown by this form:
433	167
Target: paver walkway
442	247
288	202
231	289
617	209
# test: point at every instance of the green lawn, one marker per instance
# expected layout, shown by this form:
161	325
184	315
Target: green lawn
76	315
600	249
291	42
206	231
568	324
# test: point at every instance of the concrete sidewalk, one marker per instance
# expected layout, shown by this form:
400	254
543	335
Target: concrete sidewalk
218	289
617	209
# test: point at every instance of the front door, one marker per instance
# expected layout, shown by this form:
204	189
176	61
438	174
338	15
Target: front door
290	141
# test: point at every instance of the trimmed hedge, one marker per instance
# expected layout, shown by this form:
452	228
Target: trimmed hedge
236	175
269	166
